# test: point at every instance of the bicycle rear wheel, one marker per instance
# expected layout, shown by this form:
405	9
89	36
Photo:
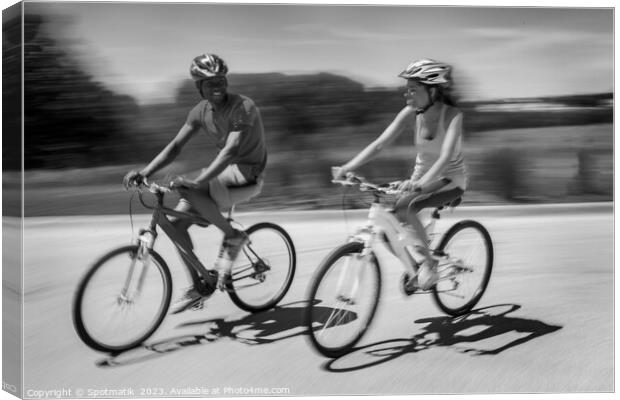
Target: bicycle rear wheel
342	300
466	269
122	299
264	270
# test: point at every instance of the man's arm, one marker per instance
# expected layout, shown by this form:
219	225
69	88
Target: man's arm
171	151
224	158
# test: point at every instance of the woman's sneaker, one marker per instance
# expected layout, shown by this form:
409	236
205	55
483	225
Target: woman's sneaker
427	275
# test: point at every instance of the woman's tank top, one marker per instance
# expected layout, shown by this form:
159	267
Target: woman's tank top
429	151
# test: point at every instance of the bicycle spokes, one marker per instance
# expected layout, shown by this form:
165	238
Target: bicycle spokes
122	301
465	268
255	269
262	272
347	295
337	317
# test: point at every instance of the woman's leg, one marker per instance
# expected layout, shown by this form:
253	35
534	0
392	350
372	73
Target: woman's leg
407	209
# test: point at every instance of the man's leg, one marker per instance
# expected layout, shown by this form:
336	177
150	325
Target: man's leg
206	206
182	226
195	295
227	189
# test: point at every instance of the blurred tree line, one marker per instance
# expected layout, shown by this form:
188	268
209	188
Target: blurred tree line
73	122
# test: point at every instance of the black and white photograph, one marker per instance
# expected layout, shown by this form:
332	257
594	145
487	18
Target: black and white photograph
224	200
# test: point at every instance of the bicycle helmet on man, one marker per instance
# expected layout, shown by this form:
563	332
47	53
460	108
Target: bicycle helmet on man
207	66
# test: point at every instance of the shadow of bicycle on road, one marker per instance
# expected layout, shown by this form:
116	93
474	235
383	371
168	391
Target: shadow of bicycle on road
280	323
465	334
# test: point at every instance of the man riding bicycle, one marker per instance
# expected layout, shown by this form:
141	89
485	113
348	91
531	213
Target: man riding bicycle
234	175
439	175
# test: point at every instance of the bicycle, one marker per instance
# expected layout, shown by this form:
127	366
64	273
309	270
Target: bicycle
344	292
133	284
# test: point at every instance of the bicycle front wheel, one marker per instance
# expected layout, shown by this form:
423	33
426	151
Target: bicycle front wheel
122	299
465	270
264	270
343	298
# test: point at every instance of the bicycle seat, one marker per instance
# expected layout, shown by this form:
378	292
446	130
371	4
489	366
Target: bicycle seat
454	202
451	204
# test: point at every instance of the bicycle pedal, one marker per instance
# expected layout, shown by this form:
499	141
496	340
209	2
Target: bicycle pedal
198	306
225	285
408	288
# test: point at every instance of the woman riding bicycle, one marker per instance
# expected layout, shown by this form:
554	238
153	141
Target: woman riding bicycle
439	175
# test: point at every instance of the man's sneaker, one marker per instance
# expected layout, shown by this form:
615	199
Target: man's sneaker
192	299
231	246
223	281
427	276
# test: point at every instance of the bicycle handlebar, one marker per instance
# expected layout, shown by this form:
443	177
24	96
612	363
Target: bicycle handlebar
353	179
151	186
157	188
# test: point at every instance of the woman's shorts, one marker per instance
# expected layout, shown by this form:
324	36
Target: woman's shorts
444	192
416	202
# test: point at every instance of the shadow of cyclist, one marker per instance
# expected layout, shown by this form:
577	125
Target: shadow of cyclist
448	332
279	323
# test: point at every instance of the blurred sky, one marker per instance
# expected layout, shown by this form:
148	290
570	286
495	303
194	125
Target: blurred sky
145	49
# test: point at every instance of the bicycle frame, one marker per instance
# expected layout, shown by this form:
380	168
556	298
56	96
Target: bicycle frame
159	217
384	228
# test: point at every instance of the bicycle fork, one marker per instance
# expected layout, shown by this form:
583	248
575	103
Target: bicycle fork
146	240
351	275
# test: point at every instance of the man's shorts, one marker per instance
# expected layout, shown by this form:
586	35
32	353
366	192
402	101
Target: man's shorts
230	187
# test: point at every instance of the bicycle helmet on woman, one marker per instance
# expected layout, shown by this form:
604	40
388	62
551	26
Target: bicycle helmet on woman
428	72
207	66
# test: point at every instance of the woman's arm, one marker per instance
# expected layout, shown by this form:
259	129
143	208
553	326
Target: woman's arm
388	136
453	133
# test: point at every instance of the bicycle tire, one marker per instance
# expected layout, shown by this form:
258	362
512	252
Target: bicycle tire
250	252
486	275
314	307
78	318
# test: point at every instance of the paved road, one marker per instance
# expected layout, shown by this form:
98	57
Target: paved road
544	325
